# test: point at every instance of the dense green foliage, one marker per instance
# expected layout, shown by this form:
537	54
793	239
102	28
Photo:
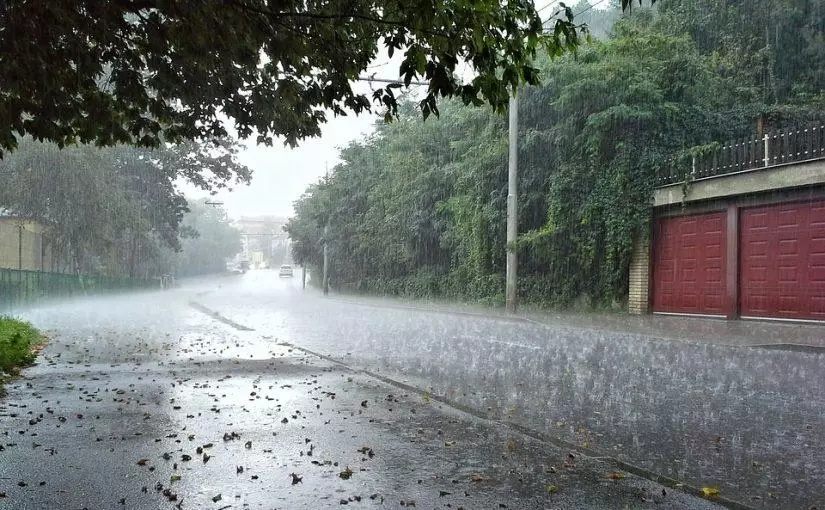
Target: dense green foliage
118	211
17	338
419	208
148	71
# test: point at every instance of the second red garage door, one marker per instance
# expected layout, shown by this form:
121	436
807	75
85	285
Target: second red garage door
782	261
689	264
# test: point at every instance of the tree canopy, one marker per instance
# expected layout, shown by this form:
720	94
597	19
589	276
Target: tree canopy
420	208
117	211
146	71
210	243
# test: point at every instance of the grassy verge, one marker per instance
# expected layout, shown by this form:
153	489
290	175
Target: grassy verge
18	343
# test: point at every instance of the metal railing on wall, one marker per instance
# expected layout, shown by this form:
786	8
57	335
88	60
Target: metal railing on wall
19	288
793	145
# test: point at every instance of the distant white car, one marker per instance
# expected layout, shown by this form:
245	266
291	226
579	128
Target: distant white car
286	270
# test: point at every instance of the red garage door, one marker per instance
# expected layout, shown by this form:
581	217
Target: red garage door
689	264
782	261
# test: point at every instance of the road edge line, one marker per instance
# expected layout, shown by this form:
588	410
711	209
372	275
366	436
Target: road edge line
218	317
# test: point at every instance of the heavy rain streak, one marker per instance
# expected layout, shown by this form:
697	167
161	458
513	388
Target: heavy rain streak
442	255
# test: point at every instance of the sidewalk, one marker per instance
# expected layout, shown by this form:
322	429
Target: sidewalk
745	333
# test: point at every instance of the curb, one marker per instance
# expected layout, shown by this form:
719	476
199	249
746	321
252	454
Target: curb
218	317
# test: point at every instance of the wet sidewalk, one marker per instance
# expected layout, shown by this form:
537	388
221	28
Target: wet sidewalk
743	332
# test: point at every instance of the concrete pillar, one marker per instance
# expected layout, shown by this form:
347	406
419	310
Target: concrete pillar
638	301
732	263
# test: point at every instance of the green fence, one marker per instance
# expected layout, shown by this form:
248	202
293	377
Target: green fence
19	288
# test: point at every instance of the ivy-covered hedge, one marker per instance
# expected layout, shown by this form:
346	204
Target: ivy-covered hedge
419	209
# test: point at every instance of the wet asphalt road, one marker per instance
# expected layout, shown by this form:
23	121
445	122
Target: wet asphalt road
145	402
748	420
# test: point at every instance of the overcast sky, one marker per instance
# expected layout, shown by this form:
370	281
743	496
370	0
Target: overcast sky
280	174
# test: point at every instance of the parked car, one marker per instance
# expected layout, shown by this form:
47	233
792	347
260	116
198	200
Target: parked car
286	270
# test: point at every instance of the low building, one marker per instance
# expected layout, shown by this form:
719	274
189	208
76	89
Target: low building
743	238
23	245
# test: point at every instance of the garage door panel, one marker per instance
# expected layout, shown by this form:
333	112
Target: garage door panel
714	303
689	264
756	304
817	219
818	275
688	300
782	261
713	274
757	248
788	246
713	251
818	306
788	275
788	218
755	222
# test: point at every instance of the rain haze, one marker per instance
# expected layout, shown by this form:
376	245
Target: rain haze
579	262
282	174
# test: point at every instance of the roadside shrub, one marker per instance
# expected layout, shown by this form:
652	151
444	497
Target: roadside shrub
17	338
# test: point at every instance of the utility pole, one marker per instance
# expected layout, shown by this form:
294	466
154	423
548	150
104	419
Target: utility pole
325	283
511	285
21	290
20	247
326	260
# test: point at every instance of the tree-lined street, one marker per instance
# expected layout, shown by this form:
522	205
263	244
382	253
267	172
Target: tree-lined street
672	165
131	378
145	402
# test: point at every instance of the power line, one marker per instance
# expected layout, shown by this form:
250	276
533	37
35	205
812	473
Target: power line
559	11
587	9
386	80
548	4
